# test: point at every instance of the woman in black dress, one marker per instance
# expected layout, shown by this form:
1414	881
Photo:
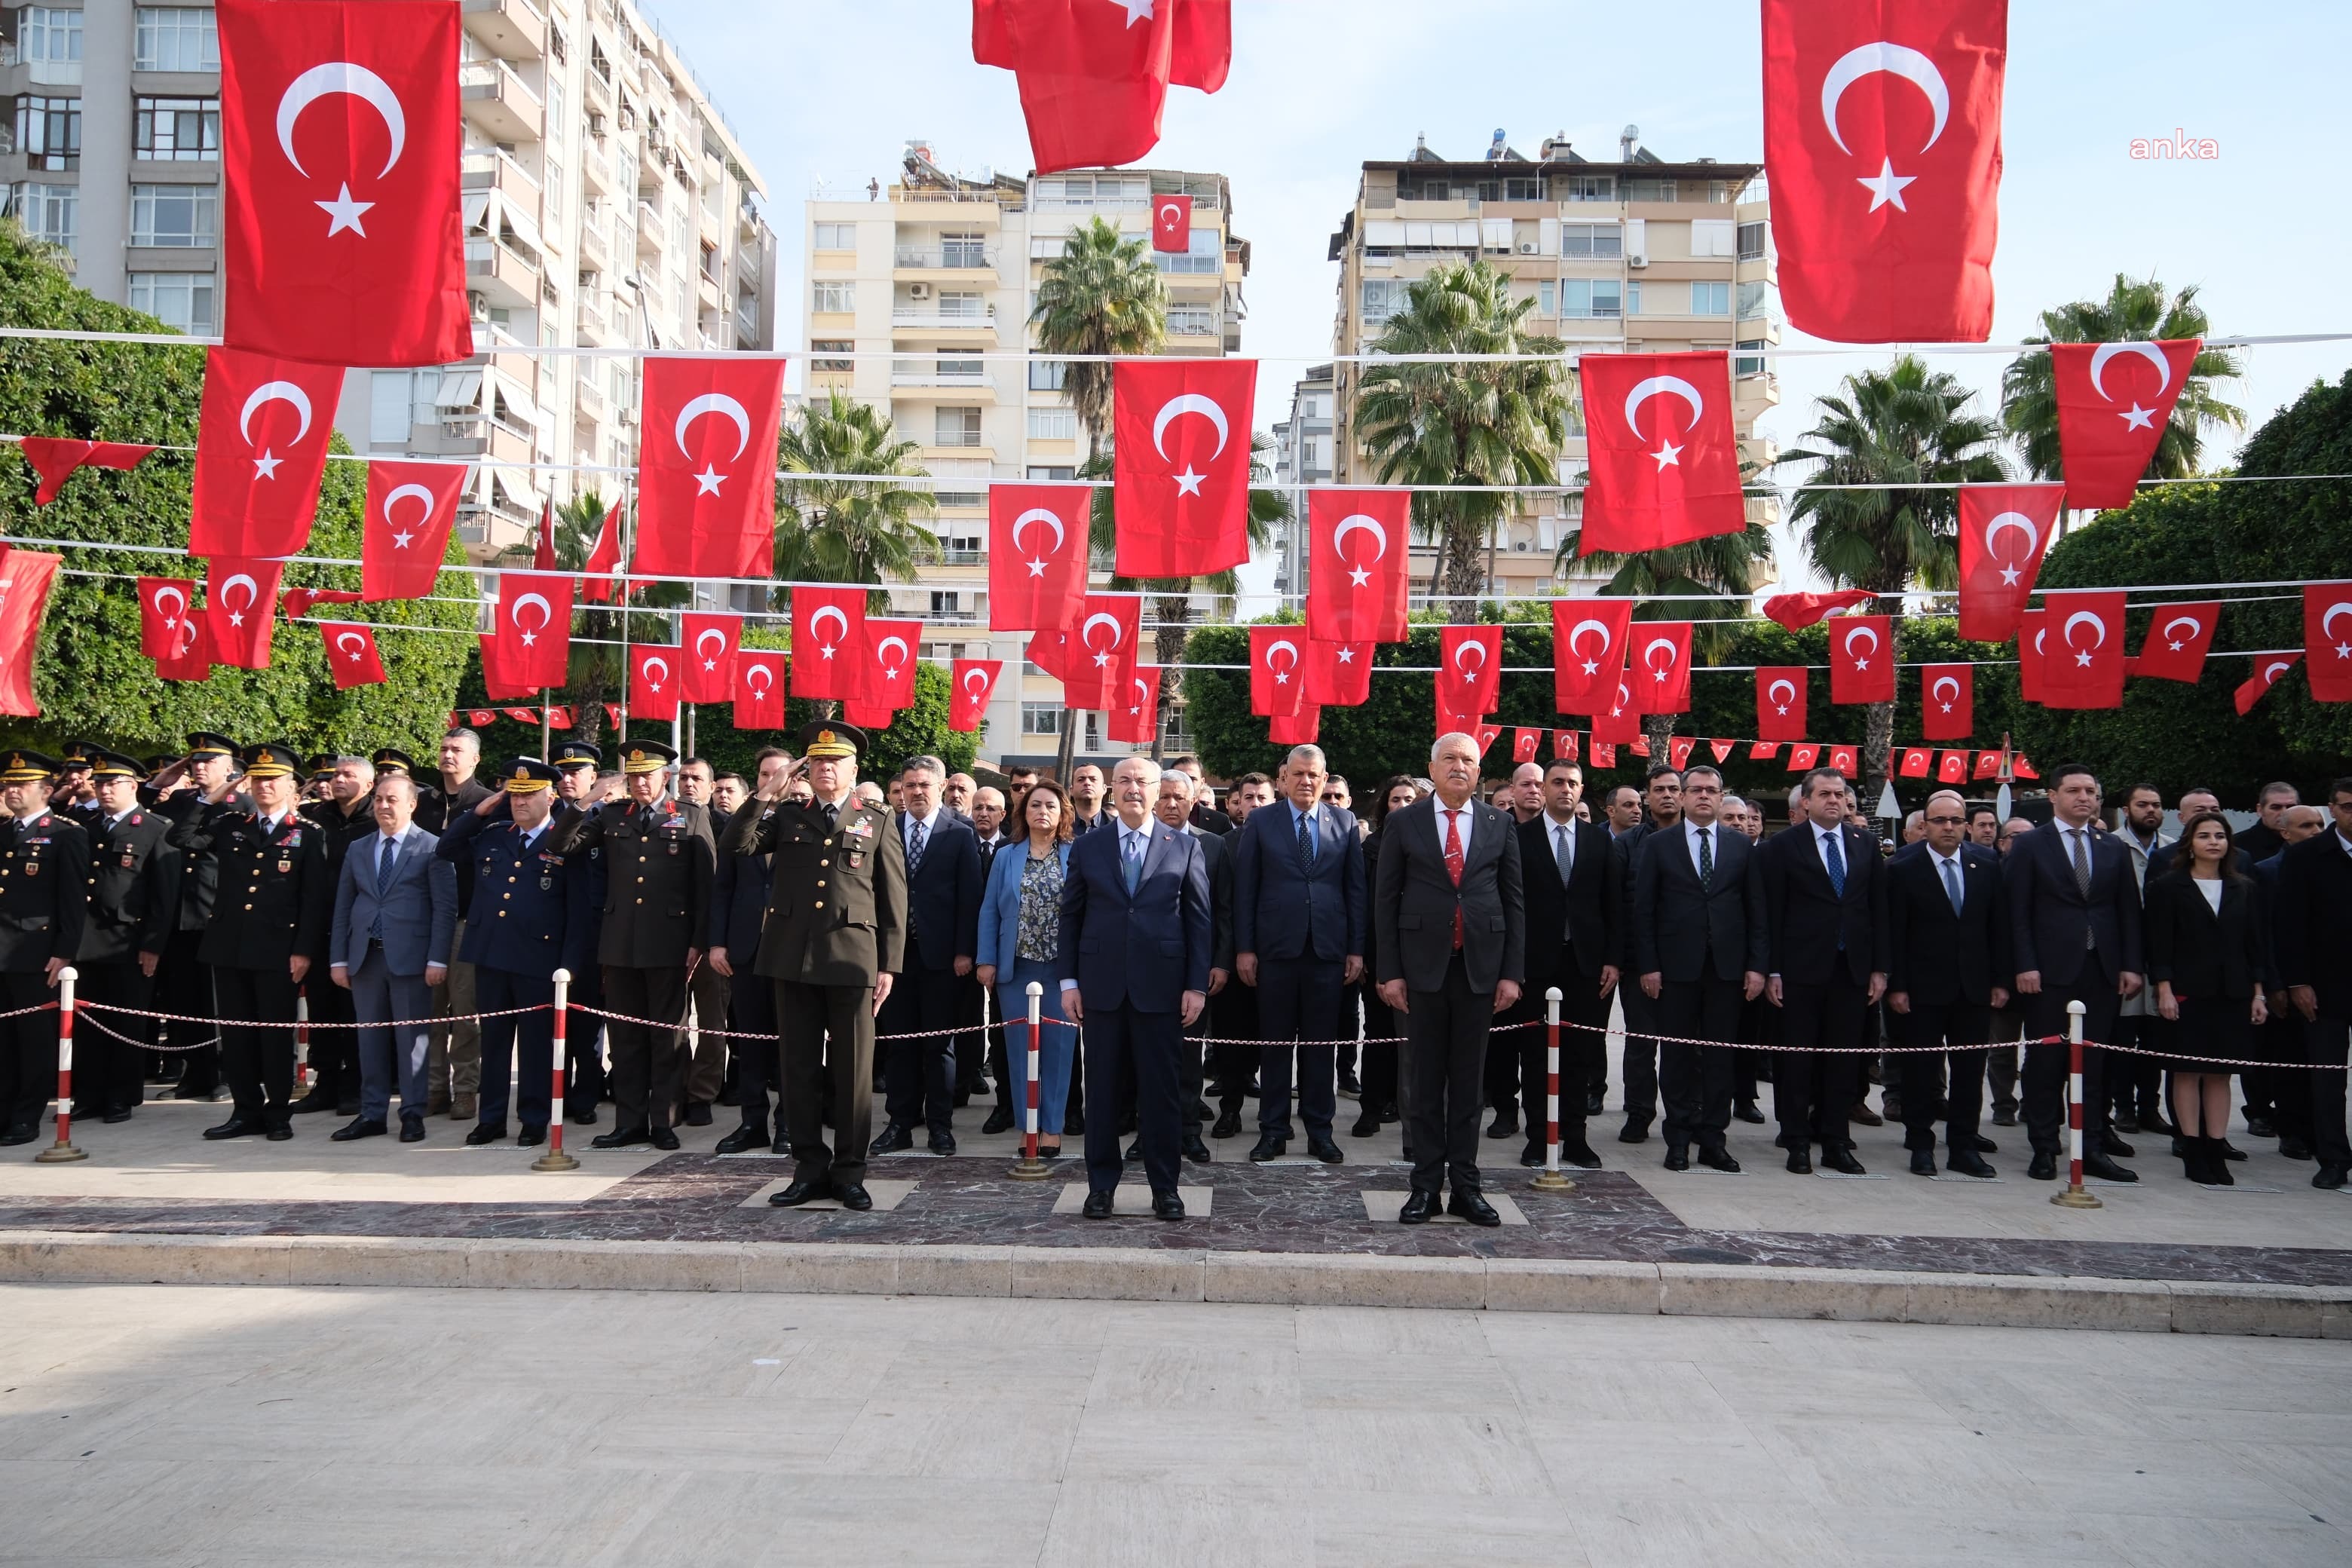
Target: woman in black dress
2206	957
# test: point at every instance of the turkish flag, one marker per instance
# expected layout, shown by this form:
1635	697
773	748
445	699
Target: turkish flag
261	450
1763	751
2083	660
241	604
350	653
613	711
1093	77
1203	50
54	460
2032	634
1781	701
2267	673
1134	717
559	717
1659	660
1679	749
543	559
1036	556
1300	729
1563	745
1847	760
1339	674
1721	749
164	604
1588	650
887	672
1882	128
1469	668
2178	638
1355	567
1619	720
297	602
406	532
1797	611
1988	766
971	683
871	717
26	576
1277	670
1861	660
707	467
190	657
1664	459
655	680
2004	530
709	641
1524	742
1182	467
1916	763
1804	757
759	688
2327	640
497	683
1952	768
828	638
342	223
1172	224
1104	645
2115	401
523	715
534	629
1604	754
603	563
1948	700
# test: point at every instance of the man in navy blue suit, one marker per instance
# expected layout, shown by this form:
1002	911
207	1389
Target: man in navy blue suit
942	935
1298	938
1134	970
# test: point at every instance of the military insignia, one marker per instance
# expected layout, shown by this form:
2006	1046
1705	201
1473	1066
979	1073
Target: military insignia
861	829
547	884
32	868
284	865
127	858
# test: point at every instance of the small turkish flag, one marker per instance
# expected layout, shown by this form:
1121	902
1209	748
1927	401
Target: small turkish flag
828	639
2178	638
54	460
241	604
1861	660
1797	611
1947	699
1524	742
405	530
1134	719
1339	674
543	559
1469	668
613	715
1988	766
1486	736
1277	670
1619	720
893	651
2083	663
1172	224
523	715
1183	467
1763	751
1101	649
26	576
2024	767
1781	701
1916	763
1299	729
2267	673
971	681
2327	640
2003	531
759	688
1664	458
707	467
164	604
2032	635
1952	767
1357	569
1678	749
709	641
1588	650
1036	556
1604	754
603	563
2114	403
1847	760
297	603
261	450
192	657
559	717
1805	757
342	221
534	629
350	653
1660	660
1455	723
1563	745
654	683
1882	127
1721	750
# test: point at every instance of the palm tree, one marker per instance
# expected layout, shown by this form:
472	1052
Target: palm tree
1103	295
849	531
1905	425
1486	423
2133	312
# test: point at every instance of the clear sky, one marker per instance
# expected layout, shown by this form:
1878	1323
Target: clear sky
833	92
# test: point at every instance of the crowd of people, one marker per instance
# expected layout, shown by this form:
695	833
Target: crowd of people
801	937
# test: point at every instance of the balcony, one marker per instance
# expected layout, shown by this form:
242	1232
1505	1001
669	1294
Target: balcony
959	327
486	168
498	104
500	274
595	174
588	405
595	256
481	437
510	29
928	383
956	260
649	230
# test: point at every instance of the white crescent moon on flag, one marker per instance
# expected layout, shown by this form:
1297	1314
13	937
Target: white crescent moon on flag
2191	622
1355	521
1190	403
893	640
340	76
1283	645
1477	647
2039	633
274	391
1870	632
2076	619
252	589
1937	691
652	663
2019	522
1783	684
976	691
1038	514
709	633
1142	691
714	402
1895	59
1579	629
2271	671
352	640
187	637
1655	644
170	593
2327	621
1649	387
1085	632
759	687
835	611
546	610
2149	352
403	493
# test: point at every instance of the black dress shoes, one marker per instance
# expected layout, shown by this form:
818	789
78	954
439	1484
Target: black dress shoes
2043	1167
2331	1178
122	1114
357	1129
2290	1146
621	1138
1923	1162
2116	1148
1196	1151
2106	1170
1592	1102
1098	1204
1719	1159
942	1144
1677	1157
312	1101
485	1133
800	1190
853	1195
1228	1124
1326	1150
1348	1084
893	1138
1472	1206
412	1130
1636	1131
2260	1127
580	1115
742	1139
531	1137
1745	1111
1366	1124
1418	1207
1166	1205
2005	1117
1800	1161
662	1138
1532	1156
1269	1146
1075	1123
1982	1144
1134	1153
999	1120
235	1127
280	1129
697	1115
1968	1162
1506	1123
1842	1161
1578	1153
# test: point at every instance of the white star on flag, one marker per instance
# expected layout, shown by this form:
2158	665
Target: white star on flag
400	540
1188	483
2008	575
1668	454
1358	577
236	617
265	467
345	212
2175	647
1862	663
1347	656
1885	186
1137	10
708	480
2137	418
1282	678
2084	659
1591	668
1101	659
1036	568
825	650
529	638
2344	651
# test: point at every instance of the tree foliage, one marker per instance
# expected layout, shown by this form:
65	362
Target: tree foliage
1103	295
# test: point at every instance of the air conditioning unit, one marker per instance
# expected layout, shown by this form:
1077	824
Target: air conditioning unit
919	291
1527	248
625	414
595	123
1637	261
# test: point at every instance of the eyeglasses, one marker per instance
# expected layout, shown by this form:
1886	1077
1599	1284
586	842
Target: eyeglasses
1944	821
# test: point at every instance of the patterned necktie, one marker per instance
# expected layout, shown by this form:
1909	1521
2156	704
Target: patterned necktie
1705	860
1952	884
1833	856
2082	880
1306	845
1563	855
1131	851
914	844
387	852
1454	868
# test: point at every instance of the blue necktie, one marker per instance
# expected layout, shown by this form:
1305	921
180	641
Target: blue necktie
387	851
914	844
1131	849
1834	858
1305	844
1952	884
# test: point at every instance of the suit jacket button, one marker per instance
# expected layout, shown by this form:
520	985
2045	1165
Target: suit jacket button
820	882
248	906
824	862
820	903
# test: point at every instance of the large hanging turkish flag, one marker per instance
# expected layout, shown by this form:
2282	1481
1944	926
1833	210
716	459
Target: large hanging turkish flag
1357	542
241	604
828	639
654	687
2327	640
191	657
1101	648
1182	467
2267	673
1469	669
2082	659
1658	657
707	467
2178	638
887	670
759	688
55	459
534	628
261	450
26	576
405	532
351	657
971	683
1134	717
1093	76
341	226
1300	727
1664	459
2115	401
1618	721
1781	703
164	604
709	641
1037	555
1339	674
1861	660
1277	670
1881	131
2003	531
603	567
1588	650
1948	701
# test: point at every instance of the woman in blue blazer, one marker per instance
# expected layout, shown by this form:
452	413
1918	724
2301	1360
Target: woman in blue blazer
1020	937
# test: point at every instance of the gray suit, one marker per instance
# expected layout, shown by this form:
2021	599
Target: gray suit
384	943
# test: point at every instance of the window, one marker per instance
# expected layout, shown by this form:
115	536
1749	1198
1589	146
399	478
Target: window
1205	252
1547	299
553	98
1047	374
1594	239
176	38
1192	320
1634	297
1041	718
835	299
1523	190
709	260
1755	298
1053	425
179	299
174	217
965	306
1710	299
962	251
1383	298
1714	237
956	427
956	367
1749	364
1589	188
48	38
946	607
175	129
48	132
554	188
392	409
1650	191
1751	241
48	213
821	346
836	237
1585	296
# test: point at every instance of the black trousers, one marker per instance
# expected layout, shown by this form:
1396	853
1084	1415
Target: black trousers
531	1034
751	1010
1378	1076
184	985
2001	1061
825	1039
256	1063
1815	1077
1641	1070
2323	1043
1945	1024
1133	1054
1233	1063
110	1074
1444	1062
1297	1001
920	1071
2135	1083
1579	1048
31	1072
2046	1066
583	1041
972	1054
334	1053
1694	1081
648	1060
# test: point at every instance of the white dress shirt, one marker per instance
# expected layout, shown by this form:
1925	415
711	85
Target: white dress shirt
1442	812
1563	843
1960	869
1691	830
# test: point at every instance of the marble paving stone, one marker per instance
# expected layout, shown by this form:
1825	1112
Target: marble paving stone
1011	1438
1406	1451
1382	1530
1140	1525
1130	1201
1184	1377
887	1195
1195	1447
1381	1208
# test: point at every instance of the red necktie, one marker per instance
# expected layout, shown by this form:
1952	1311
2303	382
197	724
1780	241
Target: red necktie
1454	868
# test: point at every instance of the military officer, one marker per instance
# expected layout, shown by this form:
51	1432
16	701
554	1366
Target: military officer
183	984
392	760
577	765
44	890
134	906
835	934
657	869
75	794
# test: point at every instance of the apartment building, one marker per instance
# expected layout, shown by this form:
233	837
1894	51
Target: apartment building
607	203
1631	254
910	285
1302	458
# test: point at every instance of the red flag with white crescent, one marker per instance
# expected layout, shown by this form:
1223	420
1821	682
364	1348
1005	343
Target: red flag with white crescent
1487	734
707	467
1093	77
1604	754
350	653
299	602
1524	741
1357	571
1339	674
1172	224
710	642
2114	403
760	689
894	650
26	576
1722	749
1797	611
1804	757
971	683
828	640
2032	638
1914	761
1277	669
2267	669
523	715
1134	717
1588	650
2179	637
1037	542
1678	749
1847	760
1763	751
1619	721
191	656
1099	648
497	684
656	682
2083	660
603	563
534	629
1182	469
1861	659
559	717
1781	701
405	530
241	604
2327	640
1563	745
1663	454
164	604
1952	768
1988	766
1948	698
56	458
2003	529
261	450
1300	729
1658	657
1469	668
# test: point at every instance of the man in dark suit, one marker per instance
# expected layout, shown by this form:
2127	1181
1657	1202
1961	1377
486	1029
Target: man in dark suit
1576	930
2074	913
1451	947
1298	939
942	935
1175	809
1134	970
1947	967
1698	946
1825	909
2313	938
134	903
1662	807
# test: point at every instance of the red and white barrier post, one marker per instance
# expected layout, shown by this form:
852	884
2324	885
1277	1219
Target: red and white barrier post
2074	1196
301	1036
1031	1168
63	1150
555	1159
1550	1179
